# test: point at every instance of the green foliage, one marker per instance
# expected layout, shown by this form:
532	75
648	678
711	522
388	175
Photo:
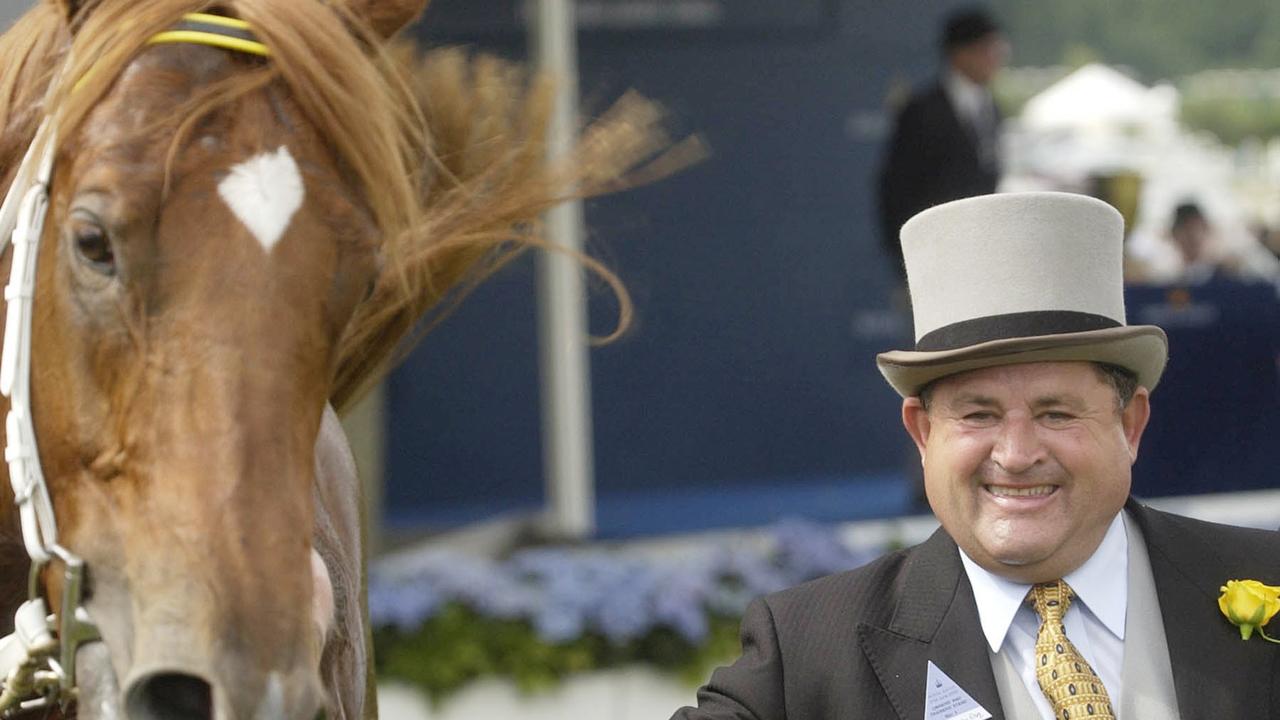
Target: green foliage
459	645
1235	119
1155	40
1159	39
1077	55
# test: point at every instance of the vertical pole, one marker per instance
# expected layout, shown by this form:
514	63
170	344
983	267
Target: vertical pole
365	424
568	462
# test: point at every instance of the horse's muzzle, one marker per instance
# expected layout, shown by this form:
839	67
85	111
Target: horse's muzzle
171	694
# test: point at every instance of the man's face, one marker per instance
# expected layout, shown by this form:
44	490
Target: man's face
1192	238
982	59
1026	465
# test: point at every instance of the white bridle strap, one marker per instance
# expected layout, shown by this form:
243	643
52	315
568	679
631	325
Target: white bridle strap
22	219
21	180
39	529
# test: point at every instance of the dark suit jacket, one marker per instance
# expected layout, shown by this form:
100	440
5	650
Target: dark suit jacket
932	158
856	645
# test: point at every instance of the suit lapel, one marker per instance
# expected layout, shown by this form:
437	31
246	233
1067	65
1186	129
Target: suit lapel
1213	669
960	127
963	127
935	620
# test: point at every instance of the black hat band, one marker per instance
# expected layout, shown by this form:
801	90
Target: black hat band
976	331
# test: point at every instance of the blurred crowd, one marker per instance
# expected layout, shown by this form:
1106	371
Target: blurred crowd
1192	252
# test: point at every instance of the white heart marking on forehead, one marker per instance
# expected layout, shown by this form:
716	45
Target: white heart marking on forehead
264	192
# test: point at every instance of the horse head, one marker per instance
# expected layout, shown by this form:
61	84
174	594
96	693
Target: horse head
217	212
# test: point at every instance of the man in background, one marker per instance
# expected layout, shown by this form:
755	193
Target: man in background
944	142
1206	258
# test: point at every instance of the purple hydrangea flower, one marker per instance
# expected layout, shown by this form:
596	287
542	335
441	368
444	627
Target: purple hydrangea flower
564	593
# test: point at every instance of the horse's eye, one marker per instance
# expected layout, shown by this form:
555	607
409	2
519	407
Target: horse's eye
94	248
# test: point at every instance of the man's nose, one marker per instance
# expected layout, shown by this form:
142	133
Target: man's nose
1018	447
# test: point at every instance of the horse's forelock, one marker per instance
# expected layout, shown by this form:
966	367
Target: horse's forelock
351	91
343	85
29	53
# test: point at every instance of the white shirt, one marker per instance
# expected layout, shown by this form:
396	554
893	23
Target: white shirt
968	97
1094	620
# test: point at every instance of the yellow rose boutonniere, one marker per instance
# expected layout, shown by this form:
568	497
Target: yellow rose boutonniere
1249	605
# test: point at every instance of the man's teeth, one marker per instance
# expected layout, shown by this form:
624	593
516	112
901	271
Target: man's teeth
1021	491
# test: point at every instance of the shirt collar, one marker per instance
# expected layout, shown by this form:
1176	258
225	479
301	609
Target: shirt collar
966	95
1101	583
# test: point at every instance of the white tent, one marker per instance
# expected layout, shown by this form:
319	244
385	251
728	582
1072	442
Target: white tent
1097	97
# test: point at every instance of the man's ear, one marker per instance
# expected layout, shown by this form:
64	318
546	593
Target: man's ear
916	420
1134	419
387	17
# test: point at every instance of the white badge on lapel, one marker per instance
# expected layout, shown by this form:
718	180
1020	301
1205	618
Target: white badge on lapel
945	700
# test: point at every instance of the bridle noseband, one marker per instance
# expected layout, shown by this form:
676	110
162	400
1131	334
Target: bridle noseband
37	661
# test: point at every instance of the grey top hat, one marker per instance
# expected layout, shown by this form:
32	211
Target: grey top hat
1015	278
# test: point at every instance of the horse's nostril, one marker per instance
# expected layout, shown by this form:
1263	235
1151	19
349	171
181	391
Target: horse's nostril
171	696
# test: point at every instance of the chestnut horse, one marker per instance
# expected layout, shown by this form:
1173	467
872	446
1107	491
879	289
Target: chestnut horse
250	205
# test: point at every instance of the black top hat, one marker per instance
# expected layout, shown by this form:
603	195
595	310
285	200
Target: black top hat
967	25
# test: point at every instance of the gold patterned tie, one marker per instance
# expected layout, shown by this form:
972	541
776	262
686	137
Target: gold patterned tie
1073	688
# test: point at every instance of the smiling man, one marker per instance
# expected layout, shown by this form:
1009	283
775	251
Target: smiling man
1048	592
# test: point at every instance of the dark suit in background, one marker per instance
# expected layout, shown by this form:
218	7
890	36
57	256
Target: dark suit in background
857	645
943	145
933	157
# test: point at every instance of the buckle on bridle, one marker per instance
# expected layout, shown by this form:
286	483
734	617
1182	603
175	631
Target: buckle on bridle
33	678
39	659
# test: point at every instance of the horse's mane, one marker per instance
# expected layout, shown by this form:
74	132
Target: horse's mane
488	185
448	150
